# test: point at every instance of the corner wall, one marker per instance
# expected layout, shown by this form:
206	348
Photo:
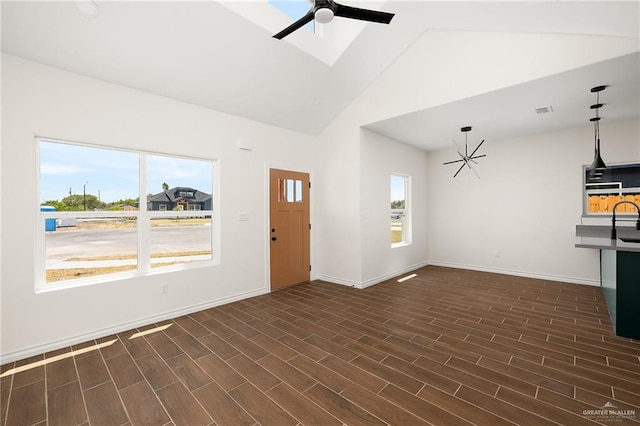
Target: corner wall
440	67
519	218
381	156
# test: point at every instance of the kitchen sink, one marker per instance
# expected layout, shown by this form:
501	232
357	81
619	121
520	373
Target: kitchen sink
630	239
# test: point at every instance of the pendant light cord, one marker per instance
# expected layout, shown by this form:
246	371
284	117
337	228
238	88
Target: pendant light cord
597	164
596	123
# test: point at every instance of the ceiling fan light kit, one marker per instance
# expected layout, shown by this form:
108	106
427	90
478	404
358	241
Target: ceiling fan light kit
465	158
324	15
598	165
323	12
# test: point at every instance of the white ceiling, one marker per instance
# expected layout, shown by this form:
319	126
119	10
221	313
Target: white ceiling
207	54
510	112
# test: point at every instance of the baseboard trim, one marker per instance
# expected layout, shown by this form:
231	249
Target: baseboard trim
565	279
390	275
372	281
63	343
335	280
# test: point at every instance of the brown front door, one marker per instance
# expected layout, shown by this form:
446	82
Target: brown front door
289	228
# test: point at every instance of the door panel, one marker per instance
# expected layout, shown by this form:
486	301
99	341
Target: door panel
289	216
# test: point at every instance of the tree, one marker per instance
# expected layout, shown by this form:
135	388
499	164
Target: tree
397	204
75	202
58	205
165	186
117	205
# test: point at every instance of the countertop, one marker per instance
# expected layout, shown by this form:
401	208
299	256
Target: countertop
598	237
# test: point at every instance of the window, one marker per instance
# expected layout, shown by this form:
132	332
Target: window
94	227
290	190
400	220
616	183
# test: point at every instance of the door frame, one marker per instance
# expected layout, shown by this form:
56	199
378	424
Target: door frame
267	220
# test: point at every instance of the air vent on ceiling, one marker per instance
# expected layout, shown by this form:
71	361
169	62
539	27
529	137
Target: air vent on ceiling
544	110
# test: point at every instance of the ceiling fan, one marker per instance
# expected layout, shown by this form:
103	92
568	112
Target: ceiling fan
466	158
323	11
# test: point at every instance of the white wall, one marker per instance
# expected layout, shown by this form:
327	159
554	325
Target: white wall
381	156
337	197
440	67
43	101
525	205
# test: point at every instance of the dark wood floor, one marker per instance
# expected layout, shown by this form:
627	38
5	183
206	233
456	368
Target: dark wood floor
447	347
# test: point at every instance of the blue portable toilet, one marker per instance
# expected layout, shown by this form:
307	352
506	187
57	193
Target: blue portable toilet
49	224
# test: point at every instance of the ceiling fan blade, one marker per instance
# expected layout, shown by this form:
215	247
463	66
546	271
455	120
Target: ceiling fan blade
454	161
477	147
461	167
296	25
363	14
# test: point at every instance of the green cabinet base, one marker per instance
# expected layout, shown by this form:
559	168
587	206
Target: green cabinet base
620	280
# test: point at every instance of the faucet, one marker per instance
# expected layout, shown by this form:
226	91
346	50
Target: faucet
614	234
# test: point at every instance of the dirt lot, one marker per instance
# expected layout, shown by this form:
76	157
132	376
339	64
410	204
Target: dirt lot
105	240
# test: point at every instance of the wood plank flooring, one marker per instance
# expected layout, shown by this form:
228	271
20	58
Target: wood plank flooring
448	347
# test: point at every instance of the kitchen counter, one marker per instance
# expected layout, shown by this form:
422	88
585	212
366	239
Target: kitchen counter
619	274
599	237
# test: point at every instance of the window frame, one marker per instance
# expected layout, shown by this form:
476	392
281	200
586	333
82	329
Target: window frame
606	188
143	223
407	233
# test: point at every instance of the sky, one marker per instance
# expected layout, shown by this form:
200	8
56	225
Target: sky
113	175
397	187
295	9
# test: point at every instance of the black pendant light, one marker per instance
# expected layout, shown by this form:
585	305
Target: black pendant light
595	169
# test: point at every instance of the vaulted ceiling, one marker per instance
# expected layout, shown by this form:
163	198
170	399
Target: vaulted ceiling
216	54
544	105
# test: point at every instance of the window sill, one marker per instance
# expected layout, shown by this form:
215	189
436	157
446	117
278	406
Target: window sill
121	276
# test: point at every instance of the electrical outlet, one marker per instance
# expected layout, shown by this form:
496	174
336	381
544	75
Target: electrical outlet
497	254
164	288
